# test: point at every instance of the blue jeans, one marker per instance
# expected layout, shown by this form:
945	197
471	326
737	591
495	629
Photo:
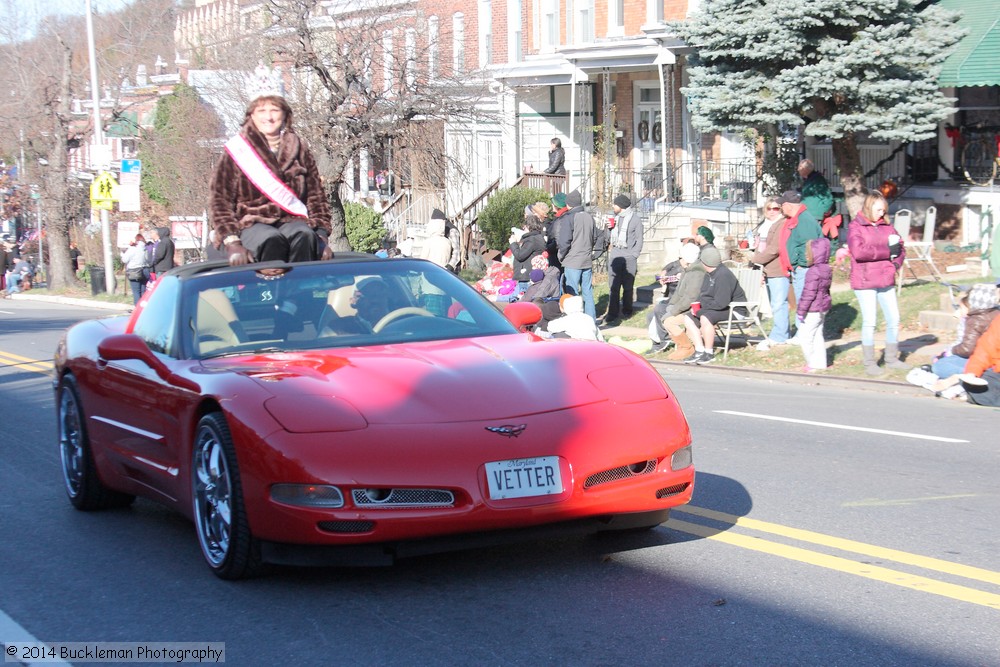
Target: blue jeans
945	367
580	282
777	290
799	281
885	297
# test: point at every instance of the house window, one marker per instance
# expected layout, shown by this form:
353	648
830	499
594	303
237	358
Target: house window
585	21
514	43
411	57
485	33
654	11
569	21
387	62
616	17
458	42
432	47
549	25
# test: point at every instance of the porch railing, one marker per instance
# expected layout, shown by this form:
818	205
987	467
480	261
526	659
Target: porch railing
871	155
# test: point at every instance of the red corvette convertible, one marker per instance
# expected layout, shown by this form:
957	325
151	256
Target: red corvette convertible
359	410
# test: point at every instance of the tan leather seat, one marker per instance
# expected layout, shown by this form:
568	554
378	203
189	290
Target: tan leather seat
340	300
216	324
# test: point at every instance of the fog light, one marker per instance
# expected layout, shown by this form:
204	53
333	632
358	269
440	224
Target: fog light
307	495
681	459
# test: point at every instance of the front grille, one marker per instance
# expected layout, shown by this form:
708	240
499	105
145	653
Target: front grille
347	526
621	472
672	490
396	498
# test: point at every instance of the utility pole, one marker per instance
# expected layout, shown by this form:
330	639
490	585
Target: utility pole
95	96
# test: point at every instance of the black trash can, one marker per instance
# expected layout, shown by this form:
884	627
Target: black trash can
97	280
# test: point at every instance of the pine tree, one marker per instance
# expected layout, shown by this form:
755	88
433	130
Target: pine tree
846	69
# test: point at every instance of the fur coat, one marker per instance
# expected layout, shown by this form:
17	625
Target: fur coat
236	203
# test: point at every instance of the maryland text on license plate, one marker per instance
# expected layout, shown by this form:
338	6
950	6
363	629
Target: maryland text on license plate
522	478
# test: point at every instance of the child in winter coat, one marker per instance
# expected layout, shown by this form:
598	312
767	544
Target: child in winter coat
815	303
574	323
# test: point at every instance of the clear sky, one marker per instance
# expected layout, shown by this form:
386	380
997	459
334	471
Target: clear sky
27	13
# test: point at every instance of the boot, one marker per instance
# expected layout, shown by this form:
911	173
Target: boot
892	357
868	356
683	348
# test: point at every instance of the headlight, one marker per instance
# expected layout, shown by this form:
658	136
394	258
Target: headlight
681	459
308	495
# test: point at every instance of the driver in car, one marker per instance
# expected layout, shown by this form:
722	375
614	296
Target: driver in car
371	300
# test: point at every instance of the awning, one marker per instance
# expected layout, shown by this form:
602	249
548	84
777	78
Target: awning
545	70
974	61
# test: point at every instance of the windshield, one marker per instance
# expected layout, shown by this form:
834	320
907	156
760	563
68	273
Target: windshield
331	304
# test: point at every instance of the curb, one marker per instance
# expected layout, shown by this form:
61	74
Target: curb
666	368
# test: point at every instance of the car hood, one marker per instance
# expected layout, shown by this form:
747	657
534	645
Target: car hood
492	377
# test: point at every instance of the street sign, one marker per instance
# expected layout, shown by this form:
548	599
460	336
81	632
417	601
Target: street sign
131	167
103	191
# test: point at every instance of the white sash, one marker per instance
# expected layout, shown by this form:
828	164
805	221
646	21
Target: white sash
260	175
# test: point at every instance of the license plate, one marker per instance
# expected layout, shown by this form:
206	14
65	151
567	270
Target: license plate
523	478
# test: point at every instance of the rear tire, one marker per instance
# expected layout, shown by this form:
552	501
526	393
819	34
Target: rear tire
217	496
83	485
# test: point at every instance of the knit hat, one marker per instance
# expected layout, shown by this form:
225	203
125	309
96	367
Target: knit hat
540	209
559	201
983	296
689	253
574	199
536	275
706	233
540	261
789	197
710	256
573	304
621	201
562	301
438	214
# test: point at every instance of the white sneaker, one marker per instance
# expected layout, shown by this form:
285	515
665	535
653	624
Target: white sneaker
764	345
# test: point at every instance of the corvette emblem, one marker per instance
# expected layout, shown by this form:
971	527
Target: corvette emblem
509	430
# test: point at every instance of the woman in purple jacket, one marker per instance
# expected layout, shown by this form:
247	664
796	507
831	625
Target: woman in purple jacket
876	254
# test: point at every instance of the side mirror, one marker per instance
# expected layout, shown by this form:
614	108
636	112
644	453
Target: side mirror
522	314
129	346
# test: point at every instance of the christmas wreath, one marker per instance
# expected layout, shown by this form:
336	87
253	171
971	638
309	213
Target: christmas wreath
643	131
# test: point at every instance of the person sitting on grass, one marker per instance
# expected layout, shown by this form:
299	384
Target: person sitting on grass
981	378
574	323
719	289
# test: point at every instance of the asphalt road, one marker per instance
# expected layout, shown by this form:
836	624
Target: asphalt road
867	537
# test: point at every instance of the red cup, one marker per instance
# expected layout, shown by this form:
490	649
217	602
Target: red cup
695	307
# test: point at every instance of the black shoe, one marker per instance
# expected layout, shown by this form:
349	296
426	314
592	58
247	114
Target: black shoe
693	359
705	358
658	347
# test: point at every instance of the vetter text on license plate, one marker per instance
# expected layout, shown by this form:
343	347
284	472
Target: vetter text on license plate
523	478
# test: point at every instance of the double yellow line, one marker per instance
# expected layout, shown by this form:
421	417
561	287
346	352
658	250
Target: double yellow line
841	564
12	361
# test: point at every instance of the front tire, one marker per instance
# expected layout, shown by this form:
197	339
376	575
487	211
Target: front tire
219	515
83	485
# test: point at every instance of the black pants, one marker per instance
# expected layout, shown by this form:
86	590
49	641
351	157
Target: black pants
988	395
622	281
290	240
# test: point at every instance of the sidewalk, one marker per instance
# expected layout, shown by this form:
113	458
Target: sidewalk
72	301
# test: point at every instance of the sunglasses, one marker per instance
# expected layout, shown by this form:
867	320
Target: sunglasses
773	208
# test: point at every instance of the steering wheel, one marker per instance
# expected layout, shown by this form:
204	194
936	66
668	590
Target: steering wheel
398	313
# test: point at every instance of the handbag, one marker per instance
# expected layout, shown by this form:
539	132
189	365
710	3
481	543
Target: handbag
135	274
